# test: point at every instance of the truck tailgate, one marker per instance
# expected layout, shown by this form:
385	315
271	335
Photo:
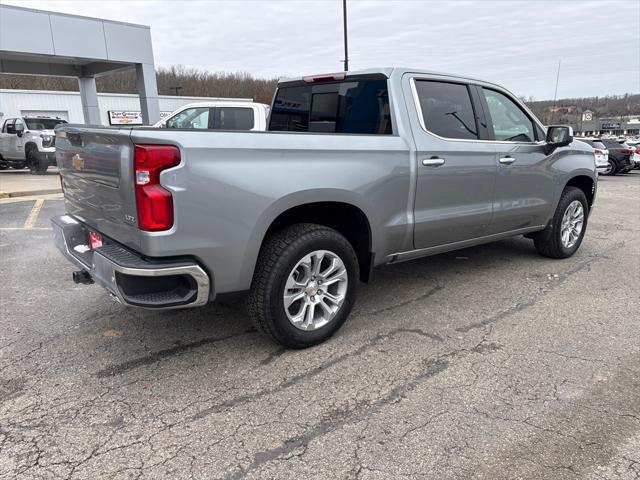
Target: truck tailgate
96	166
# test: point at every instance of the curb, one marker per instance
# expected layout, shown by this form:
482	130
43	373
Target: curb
29	193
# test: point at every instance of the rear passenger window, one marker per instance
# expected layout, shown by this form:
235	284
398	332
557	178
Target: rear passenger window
359	105
509	122
234	118
447	109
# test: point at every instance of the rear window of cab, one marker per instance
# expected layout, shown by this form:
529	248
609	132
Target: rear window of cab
352	106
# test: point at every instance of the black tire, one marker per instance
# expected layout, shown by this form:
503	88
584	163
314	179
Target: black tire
37	166
611	169
278	257
549	242
3	165
19	165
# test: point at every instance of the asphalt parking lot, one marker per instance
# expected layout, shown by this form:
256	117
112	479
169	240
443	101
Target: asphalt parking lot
491	362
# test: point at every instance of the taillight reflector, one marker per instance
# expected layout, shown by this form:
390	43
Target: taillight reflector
95	240
154	203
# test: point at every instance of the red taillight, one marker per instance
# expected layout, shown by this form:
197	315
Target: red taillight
154	203
625	151
597	151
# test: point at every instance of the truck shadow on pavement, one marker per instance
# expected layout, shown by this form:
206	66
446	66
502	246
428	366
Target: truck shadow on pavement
392	287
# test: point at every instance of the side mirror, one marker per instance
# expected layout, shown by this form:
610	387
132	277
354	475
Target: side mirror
558	136
19	133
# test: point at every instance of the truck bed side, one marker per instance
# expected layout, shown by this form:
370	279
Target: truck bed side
230	186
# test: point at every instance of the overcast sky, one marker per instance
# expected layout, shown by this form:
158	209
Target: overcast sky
516	43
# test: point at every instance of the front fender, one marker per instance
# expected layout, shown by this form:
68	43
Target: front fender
569	162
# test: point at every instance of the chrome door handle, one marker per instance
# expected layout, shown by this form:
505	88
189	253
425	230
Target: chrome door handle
433	162
507	160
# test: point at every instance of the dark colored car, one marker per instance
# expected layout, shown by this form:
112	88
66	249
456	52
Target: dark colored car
619	154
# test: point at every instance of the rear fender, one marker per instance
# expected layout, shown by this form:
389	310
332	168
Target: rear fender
294	200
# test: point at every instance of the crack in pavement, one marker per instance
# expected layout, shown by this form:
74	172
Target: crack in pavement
120	368
404	303
242	399
361	411
518	307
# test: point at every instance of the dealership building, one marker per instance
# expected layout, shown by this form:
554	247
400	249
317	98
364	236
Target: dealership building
620	125
39	42
112	108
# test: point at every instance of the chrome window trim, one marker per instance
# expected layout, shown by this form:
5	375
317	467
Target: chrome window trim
418	107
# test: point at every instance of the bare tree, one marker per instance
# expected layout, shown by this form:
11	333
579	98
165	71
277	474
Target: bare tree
193	82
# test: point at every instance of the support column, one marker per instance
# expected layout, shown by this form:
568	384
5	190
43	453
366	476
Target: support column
89	99
148	91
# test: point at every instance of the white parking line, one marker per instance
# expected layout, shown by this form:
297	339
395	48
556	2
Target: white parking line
33	216
53	196
11	229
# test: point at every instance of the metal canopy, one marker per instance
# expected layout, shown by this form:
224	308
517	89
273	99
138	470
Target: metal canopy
37	42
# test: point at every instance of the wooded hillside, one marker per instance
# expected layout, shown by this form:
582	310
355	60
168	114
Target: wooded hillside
192	82
189	82
567	110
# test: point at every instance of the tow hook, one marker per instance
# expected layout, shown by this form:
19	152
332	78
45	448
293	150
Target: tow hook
82	276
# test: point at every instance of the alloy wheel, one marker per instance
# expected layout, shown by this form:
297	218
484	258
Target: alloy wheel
572	224
315	290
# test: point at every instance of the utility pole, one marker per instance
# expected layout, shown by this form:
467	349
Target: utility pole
555	95
346	50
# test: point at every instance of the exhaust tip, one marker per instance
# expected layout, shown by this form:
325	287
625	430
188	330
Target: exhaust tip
83	277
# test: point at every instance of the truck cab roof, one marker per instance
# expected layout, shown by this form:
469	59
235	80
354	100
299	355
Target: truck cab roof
388	72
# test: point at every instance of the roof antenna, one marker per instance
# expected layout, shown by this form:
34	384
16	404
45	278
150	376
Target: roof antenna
555	95
344	22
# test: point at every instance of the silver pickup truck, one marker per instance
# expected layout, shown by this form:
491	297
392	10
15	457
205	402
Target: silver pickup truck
356	170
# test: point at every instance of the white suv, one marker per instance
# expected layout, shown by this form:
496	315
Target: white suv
601	154
28	142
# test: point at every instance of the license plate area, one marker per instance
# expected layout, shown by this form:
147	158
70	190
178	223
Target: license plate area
95	240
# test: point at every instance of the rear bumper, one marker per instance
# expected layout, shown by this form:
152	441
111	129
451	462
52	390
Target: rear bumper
130	278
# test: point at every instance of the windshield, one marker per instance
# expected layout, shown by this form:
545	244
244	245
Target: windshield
43	123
